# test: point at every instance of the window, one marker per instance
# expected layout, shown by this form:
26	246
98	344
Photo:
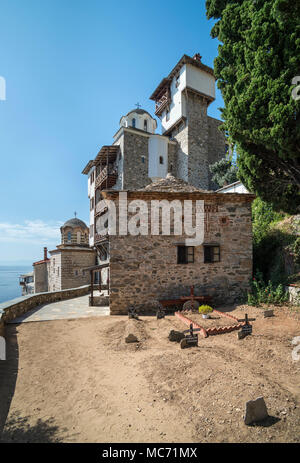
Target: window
76	272
211	254
143	159
145	125
161	160
69	236
91	204
133	122
185	254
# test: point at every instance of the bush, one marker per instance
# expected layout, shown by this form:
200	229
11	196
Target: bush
261	293
205	309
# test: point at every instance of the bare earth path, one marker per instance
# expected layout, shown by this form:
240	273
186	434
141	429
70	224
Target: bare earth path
77	381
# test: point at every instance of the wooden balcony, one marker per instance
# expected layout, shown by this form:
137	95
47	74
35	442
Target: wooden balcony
162	102
106	178
100	208
108	153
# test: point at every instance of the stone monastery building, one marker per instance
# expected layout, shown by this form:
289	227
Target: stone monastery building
171	165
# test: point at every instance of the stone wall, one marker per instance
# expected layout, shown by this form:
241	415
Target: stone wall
200	144
144	269
172	158
12	309
198	141
41	277
72	263
216	146
181	136
135	173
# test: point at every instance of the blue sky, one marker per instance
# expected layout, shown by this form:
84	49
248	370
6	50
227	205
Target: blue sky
72	69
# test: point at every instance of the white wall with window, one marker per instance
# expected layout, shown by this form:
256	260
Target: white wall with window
158	157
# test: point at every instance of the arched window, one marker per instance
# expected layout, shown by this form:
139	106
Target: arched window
69	236
145	125
161	160
133	122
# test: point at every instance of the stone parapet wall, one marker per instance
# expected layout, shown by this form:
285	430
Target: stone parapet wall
12	309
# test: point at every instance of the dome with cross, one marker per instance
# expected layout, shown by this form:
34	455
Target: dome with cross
140	119
75	232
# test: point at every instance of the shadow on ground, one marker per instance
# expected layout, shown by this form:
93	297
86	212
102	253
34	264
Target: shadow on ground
8	373
18	429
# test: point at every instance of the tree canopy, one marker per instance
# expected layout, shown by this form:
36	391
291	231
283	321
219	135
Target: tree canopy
258	57
224	171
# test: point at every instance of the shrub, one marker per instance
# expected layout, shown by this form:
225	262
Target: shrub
205	309
262	293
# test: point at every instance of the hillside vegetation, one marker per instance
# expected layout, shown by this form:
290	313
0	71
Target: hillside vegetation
276	244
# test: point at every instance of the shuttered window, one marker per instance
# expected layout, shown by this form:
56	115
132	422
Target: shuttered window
185	254
211	254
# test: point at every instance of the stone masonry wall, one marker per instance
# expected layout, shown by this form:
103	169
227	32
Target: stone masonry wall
181	136
144	269
216	146
135	173
72	262
41	277
198	141
12	309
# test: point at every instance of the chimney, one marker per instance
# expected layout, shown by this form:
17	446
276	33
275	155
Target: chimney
197	57
45	254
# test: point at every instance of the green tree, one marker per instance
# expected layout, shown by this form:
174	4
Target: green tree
258	57
223	172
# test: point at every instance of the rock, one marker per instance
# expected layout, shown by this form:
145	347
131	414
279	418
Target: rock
175	336
268	313
131	338
256	411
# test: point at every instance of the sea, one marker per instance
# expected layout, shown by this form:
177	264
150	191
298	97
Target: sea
9	281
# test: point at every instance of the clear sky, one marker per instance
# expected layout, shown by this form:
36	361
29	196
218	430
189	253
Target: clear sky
72	69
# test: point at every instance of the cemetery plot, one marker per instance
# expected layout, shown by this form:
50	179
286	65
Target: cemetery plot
216	320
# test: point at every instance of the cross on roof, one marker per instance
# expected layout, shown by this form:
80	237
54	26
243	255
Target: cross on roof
75	213
137	105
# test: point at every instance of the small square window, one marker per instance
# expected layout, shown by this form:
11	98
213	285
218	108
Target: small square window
211	254
185	254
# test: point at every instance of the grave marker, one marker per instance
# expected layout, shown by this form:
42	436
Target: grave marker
132	313
191	339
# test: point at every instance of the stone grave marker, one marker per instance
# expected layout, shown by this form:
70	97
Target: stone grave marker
268	313
132	313
247	328
256	411
191	339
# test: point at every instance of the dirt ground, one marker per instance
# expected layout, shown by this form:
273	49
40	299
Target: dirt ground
77	381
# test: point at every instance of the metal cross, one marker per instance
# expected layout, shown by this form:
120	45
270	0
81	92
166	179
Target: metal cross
137	105
75	213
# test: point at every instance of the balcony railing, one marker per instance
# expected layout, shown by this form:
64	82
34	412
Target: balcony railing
100	208
106	178
164	101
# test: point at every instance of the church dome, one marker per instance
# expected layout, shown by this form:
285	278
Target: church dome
139	119
74	223
74	232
